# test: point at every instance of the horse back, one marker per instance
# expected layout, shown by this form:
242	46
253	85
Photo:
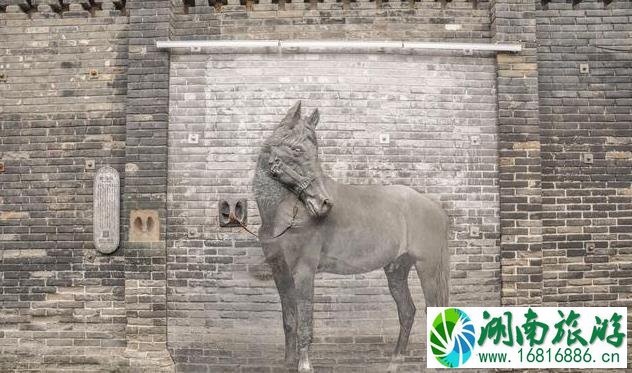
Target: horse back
372	225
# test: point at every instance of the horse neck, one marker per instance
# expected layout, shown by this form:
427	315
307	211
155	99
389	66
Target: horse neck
268	192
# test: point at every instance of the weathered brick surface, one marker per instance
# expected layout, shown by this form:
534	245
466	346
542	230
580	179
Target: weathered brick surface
423	20
587	206
440	115
145	186
61	303
82	80
519	153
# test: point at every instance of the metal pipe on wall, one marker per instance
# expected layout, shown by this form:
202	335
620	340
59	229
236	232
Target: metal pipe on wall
359	46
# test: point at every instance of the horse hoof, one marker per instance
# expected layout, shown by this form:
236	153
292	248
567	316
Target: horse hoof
392	368
305	367
394	364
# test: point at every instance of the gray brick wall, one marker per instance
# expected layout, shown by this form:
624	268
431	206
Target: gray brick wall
220	295
563	230
427	20
587	205
146	184
61	304
519	154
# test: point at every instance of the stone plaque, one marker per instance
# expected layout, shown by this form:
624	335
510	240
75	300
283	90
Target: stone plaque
106	210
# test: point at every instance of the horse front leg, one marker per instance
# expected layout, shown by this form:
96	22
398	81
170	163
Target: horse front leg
304	290
285	285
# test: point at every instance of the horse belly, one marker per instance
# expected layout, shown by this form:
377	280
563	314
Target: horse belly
365	230
347	254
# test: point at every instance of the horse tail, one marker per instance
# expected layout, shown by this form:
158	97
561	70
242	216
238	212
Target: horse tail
443	288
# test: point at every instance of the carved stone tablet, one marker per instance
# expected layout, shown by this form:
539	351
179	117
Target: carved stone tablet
106	210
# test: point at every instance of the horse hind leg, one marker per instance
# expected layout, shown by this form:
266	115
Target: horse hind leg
434	277
428	285
397	276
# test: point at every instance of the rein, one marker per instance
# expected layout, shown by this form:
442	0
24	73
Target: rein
234	219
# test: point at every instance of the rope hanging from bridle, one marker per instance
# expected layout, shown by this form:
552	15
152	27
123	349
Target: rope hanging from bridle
233	219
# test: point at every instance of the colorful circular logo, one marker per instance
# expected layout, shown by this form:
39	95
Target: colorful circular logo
452	337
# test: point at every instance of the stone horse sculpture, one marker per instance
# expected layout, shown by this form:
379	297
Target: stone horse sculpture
311	224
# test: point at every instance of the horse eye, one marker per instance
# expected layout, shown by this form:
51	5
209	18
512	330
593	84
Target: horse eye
297	150
275	166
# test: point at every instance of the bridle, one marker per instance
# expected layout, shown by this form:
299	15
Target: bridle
302	182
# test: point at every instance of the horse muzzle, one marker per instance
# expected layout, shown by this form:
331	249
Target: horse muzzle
317	198
319	207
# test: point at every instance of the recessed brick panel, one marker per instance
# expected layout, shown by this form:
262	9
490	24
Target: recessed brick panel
439	112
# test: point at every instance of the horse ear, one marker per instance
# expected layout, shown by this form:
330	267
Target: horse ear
313	119
292	116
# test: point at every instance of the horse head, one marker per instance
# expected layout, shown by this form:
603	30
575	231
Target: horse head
294	160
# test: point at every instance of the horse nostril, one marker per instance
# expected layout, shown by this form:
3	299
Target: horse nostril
327	204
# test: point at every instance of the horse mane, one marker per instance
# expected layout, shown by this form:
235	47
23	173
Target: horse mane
269	193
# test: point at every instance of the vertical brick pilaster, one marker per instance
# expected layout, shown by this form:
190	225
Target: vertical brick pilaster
519	153
146	182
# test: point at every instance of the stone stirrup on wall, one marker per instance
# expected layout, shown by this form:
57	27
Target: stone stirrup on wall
330	46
